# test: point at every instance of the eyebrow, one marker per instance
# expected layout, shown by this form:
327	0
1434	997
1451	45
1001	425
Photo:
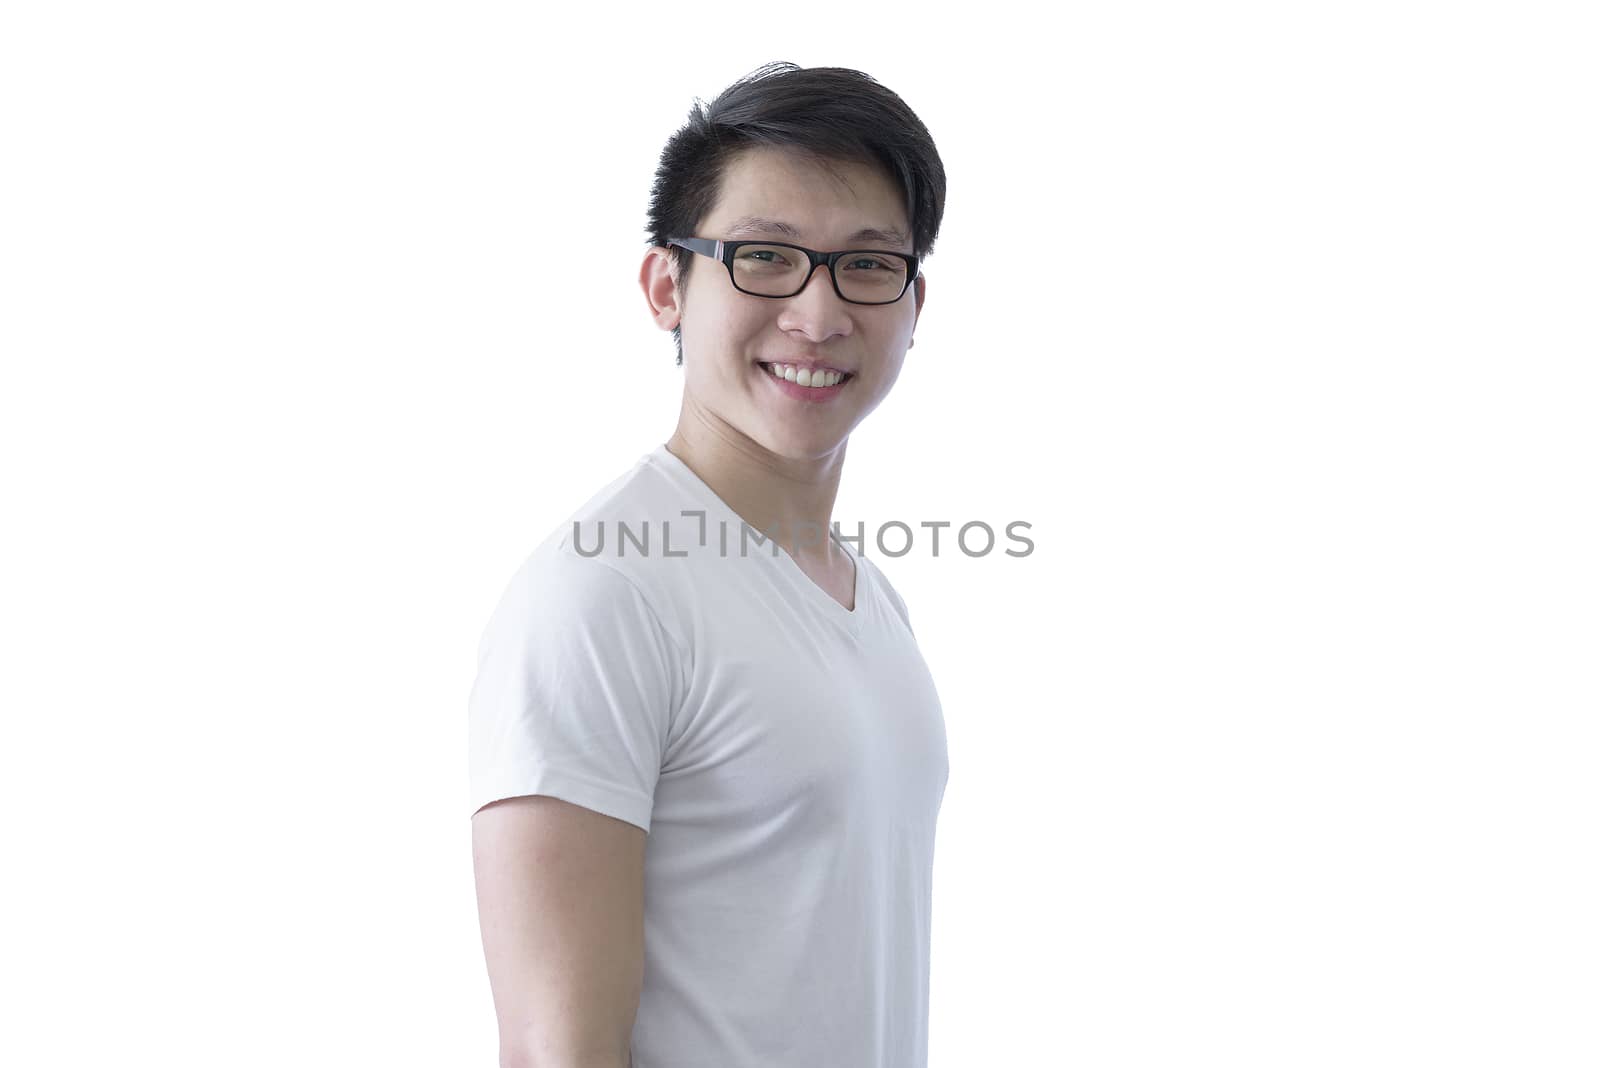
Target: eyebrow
755	224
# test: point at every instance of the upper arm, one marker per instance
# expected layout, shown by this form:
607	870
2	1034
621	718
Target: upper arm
568	720
561	908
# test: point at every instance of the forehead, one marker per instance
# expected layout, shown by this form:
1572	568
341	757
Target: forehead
782	193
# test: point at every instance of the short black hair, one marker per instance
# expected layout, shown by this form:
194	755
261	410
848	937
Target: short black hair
823	113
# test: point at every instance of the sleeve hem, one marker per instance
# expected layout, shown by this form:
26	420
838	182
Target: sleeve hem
605	798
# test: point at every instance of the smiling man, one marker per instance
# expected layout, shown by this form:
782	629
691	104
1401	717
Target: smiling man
706	755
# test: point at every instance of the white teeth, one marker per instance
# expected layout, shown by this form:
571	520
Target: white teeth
804	376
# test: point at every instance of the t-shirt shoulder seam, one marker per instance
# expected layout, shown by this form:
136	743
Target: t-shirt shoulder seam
679	645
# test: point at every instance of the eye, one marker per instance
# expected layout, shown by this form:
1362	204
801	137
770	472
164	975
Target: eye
874	263
760	255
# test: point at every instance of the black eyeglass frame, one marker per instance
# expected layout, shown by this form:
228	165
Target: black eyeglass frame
724	251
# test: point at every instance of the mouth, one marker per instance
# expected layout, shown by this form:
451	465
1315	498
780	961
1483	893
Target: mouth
820	382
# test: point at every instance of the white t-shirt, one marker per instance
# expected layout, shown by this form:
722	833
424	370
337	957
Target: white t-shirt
786	756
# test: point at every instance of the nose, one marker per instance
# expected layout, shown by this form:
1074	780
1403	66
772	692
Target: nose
816	311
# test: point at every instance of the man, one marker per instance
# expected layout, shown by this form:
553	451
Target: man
706	769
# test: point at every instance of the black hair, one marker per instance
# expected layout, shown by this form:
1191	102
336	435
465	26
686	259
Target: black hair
822	113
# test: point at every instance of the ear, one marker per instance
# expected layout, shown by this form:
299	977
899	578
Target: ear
661	291
919	292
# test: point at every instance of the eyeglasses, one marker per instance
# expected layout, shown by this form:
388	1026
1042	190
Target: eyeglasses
774	269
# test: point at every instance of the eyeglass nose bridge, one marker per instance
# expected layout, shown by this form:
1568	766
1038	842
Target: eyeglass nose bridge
822	259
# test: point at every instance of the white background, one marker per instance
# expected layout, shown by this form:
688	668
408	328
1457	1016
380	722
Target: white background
1277	322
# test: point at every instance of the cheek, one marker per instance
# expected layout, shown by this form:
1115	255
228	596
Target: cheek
726	322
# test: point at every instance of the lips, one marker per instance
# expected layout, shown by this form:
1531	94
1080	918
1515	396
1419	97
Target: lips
810	394
768	365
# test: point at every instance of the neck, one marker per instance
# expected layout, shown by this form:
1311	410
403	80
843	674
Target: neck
778	496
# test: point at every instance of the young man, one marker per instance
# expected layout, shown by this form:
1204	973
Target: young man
706	770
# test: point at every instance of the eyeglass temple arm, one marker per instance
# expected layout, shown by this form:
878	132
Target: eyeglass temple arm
702	245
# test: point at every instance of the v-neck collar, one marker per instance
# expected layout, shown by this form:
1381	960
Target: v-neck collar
850	619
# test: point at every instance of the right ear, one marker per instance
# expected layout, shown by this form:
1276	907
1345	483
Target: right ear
661	290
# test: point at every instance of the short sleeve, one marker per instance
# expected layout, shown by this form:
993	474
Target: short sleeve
574	690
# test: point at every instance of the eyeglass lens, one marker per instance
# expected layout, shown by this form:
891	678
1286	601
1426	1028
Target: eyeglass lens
776	271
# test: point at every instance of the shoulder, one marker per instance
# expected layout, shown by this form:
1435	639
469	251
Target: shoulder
569	574
557	592
555	577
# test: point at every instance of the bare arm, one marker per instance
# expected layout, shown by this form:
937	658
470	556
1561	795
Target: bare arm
561	909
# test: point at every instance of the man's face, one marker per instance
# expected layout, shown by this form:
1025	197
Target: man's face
729	336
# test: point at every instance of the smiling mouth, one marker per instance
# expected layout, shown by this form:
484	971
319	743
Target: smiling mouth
845	376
